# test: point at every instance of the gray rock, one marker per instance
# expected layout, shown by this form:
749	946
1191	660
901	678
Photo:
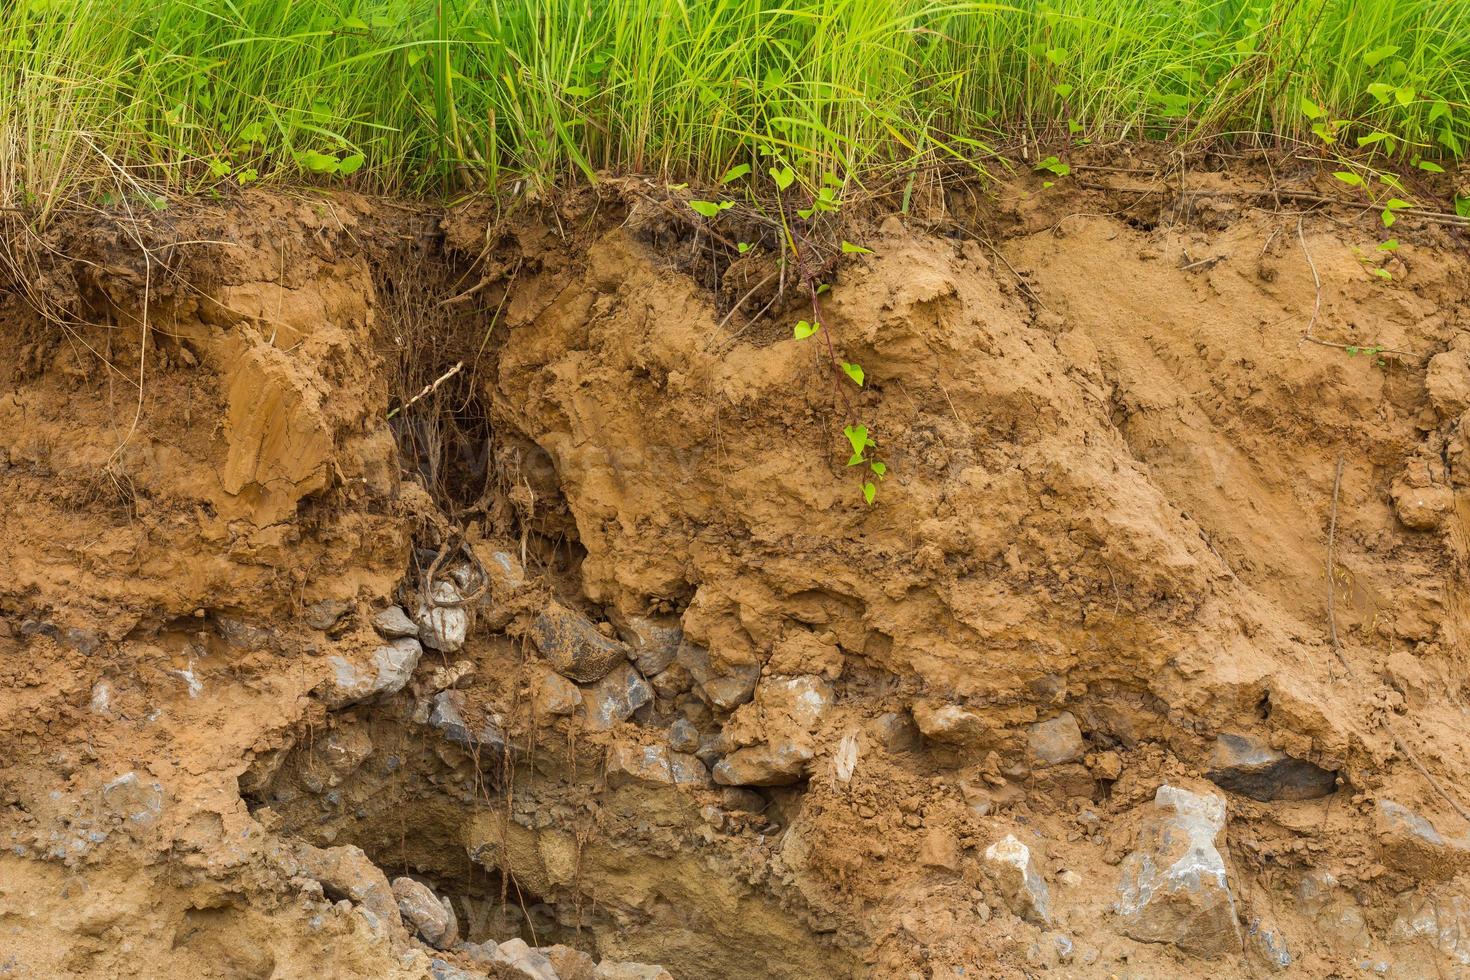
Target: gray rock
683	736
243	635
444	970
448	716
802	701
673	681
724	688
1056	741
134	801
336	757
608	970
506	574
615	697
573	646
443	628
652	642
324	615
1440	918
1249	766
395	663
764	765
427	914
393	623
1408	842
1012	866
644	764
1174	887
510	959
1266	945
688	770
569	963
392	666
346	873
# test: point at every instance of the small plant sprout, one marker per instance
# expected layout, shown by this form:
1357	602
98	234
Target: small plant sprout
805	329
1389	207
853	371
1054	165
848	248
742	247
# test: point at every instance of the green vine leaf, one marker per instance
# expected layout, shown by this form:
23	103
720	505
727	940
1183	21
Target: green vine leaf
710	208
803	329
857	435
848	248
783	177
879	468
735	173
870	491
853	371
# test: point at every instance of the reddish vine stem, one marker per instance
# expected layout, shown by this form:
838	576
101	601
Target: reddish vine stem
809	280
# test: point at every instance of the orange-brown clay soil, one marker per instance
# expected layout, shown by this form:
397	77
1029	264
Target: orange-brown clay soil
598	643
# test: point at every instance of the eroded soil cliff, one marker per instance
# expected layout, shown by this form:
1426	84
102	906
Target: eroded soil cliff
598	641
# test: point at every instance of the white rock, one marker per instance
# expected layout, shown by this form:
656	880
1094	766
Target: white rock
1174	888
1010	863
443	628
427	914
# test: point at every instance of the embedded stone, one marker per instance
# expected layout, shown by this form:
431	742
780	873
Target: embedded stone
324	615
571	643
615	697
725	688
134	801
1012	866
1439	918
393	623
443	627
392	666
940	849
555	695
897	733
764	765
1249	766
652	643
949	724
1265	944
427	914
646	764
1174	887
448	715
683	736
346	872
569	963
1058	740
608	970
1408	842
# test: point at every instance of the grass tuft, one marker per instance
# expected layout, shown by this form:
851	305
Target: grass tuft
109	97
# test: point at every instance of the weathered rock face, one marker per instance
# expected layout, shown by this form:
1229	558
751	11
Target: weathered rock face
1174	887
653	765
428	915
393	623
652	642
725	689
949	724
346	872
1409	843
1056	741
443	627
574	647
448	716
764	765
1440	919
391	667
1249	766
614	698
1012	866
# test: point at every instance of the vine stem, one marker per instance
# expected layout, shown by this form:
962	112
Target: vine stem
808	279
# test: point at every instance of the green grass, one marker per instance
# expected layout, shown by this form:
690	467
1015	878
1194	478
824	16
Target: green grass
423	95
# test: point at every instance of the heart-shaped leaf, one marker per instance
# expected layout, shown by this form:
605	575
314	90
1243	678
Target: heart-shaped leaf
869	492
803	329
707	208
879	467
783	177
853	371
858	436
735	173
